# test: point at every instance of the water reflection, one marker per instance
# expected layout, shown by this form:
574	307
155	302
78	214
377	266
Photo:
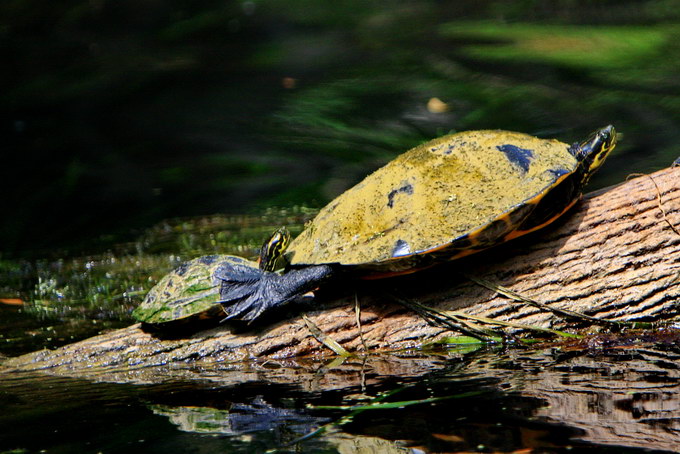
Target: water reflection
626	398
239	419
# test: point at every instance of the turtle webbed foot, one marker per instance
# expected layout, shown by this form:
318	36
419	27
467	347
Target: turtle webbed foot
240	304
246	296
240	291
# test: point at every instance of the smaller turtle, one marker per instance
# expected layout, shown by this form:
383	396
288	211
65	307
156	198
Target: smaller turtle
191	292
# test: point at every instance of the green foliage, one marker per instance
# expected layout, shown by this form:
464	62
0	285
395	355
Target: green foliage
570	45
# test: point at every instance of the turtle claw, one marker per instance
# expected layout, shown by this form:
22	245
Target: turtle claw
243	310
246	294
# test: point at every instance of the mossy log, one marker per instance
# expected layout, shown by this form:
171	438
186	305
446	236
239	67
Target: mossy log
616	255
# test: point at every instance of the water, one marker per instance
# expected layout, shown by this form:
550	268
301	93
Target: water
489	400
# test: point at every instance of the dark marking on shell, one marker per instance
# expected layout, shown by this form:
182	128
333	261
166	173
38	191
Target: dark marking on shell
208	259
182	268
406	188
401	248
452	146
518	156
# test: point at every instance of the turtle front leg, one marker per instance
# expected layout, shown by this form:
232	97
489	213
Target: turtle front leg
248	299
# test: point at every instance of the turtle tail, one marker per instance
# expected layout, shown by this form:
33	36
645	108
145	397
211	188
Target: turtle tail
247	293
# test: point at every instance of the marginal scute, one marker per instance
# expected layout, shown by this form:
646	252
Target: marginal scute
489	235
519	214
467	184
464	242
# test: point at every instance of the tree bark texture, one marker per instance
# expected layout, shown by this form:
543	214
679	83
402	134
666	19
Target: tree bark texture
615	255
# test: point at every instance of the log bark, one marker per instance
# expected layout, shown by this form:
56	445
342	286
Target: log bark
616	255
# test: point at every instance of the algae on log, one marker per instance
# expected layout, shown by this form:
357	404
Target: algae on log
616	255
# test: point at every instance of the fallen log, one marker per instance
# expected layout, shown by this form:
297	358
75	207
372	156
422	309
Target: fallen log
615	256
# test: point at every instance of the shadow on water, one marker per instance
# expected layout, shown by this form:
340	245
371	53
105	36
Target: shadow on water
601	399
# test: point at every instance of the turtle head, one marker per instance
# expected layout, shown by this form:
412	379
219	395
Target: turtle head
273	248
592	152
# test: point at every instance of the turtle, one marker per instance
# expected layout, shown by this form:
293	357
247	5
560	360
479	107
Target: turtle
440	201
190	293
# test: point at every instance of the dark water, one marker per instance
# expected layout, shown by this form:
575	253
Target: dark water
557	400
118	117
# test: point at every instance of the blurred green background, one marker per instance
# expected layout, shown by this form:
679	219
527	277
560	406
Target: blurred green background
117	114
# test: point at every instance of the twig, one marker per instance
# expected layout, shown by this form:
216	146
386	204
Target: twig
325	339
462	315
357	312
450	322
562	312
663	212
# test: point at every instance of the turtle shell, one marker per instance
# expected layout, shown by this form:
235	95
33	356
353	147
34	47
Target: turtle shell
441	200
190	292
